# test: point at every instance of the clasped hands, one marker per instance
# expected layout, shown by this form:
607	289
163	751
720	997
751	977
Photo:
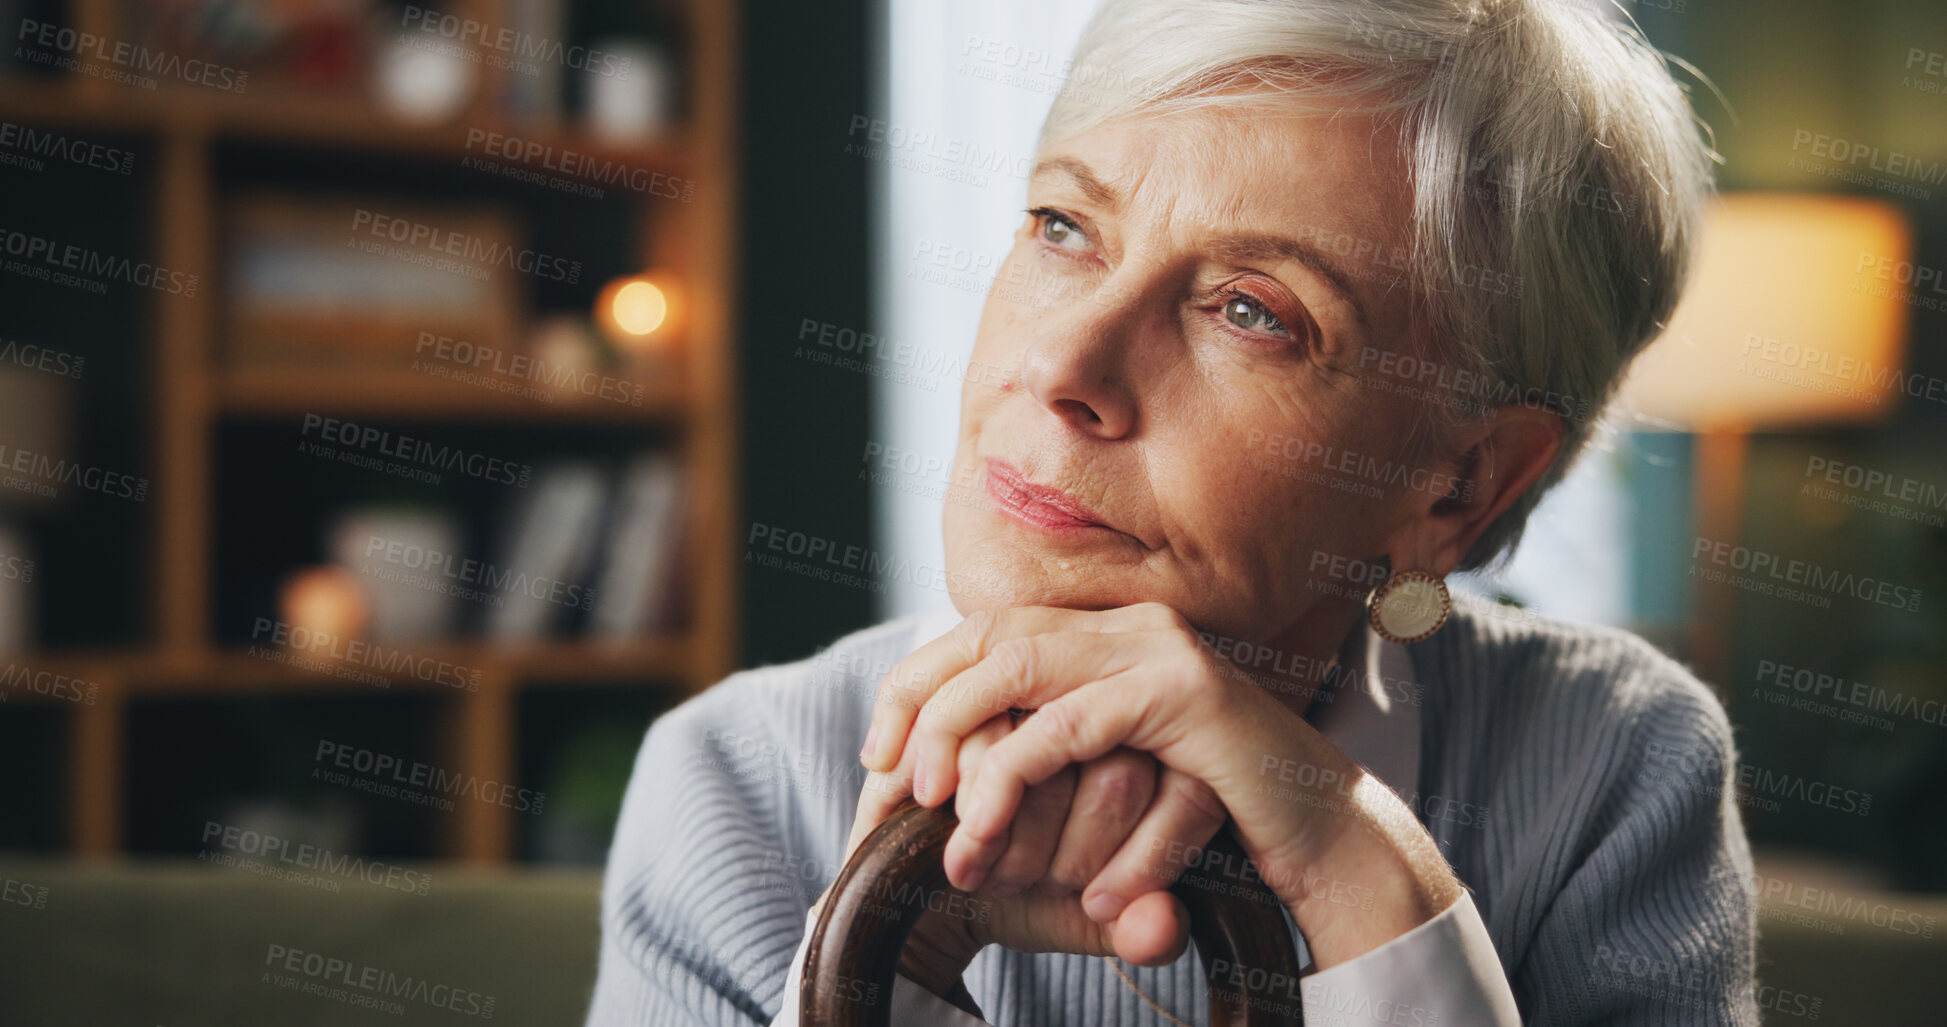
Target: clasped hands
1075	820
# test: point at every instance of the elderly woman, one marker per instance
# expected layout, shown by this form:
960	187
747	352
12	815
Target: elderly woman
1312	300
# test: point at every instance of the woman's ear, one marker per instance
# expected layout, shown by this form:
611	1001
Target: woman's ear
1503	457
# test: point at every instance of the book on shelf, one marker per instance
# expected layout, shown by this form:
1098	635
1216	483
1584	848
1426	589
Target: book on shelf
634	592
549	553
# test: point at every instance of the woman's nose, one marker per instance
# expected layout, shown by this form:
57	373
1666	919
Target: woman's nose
1076	375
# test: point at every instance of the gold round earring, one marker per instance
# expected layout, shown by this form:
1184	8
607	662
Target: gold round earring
1409	607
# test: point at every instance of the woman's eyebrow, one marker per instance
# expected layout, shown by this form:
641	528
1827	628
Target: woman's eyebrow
1097	191
1246	248
1240	248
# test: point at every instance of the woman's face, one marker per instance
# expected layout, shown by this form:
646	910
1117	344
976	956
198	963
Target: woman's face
1166	402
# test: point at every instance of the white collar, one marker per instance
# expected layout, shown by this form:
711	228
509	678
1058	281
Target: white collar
1374	715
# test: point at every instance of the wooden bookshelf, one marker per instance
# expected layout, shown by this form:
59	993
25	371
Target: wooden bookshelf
406	396
194	394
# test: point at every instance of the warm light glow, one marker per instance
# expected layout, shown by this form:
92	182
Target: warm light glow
325	601
1792	316
635	307
639	308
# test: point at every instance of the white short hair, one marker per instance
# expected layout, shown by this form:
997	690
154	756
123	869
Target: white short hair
1558	172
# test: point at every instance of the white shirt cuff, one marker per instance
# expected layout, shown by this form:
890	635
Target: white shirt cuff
910	1002
1444	971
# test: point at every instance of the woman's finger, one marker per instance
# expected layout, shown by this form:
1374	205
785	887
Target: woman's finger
972	749
1162	707
1182	820
1018	673
914	679
1111	796
1154	931
1030	842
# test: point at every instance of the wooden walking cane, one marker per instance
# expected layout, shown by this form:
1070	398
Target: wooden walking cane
1238	925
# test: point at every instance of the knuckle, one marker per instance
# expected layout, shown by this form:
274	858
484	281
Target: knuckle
902	688
1074	866
1016	662
978	630
1119	789
1198	796
1019	866
1201	674
1162	616
1060	723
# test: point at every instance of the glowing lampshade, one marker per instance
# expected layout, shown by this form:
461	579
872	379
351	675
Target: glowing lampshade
1792	316
636	309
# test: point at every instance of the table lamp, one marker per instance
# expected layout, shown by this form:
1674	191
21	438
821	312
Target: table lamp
1791	318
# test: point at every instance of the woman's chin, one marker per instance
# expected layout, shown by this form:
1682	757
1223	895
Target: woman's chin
997	574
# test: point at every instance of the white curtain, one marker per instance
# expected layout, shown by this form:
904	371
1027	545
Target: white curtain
965	86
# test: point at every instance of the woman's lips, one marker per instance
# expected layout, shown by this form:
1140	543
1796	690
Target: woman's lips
1037	505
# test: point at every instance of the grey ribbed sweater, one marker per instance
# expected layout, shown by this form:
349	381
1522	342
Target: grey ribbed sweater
1578	781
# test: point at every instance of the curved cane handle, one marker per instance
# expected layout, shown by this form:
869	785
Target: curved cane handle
1249	961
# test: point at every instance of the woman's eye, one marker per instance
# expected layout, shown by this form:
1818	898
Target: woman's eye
1058	230
1250	315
